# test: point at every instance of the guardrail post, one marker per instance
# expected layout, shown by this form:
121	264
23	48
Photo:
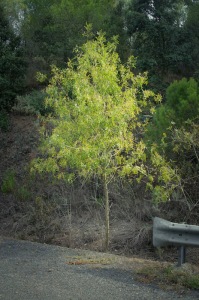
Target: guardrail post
167	233
182	256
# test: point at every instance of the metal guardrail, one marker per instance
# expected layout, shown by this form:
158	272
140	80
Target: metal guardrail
167	233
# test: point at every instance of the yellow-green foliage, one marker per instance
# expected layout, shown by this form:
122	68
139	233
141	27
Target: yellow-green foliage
97	102
97	121
165	175
98	106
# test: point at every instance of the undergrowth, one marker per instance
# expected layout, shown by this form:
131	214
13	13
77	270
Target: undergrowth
8	182
31	104
170	276
4	120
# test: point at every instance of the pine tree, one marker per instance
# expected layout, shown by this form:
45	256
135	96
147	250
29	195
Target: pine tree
12	65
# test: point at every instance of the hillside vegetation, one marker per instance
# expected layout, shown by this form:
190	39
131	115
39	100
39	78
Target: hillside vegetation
99	128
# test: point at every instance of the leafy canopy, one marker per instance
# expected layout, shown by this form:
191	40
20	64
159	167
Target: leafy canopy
97	102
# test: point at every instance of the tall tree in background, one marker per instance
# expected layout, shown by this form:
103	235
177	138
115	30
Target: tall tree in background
51	29
70	18
39	38
162	34
192	29
12	66
116	25
156	32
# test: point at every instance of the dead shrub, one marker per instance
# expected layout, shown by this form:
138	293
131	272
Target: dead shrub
131	237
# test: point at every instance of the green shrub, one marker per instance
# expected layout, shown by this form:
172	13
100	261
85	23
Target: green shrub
23	193
8	183
31	104
183	98
192	282
157	129
4	121
182	104
170	275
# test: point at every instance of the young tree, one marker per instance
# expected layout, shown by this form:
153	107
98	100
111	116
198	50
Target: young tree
96	130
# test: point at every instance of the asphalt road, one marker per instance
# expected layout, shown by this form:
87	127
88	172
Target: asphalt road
32	271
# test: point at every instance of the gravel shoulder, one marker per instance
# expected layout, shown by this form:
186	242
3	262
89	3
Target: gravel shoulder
39	271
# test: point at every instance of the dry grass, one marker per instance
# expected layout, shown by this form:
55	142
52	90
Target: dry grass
92	260
132	236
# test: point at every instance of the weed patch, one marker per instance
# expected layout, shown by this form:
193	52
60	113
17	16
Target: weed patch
170	276
90	261
4	121
23	193
8	182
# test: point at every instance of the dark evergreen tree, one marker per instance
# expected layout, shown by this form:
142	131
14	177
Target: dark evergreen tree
12	65
53	28
155	28
192	28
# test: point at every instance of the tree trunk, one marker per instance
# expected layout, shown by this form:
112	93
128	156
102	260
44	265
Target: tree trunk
107	221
